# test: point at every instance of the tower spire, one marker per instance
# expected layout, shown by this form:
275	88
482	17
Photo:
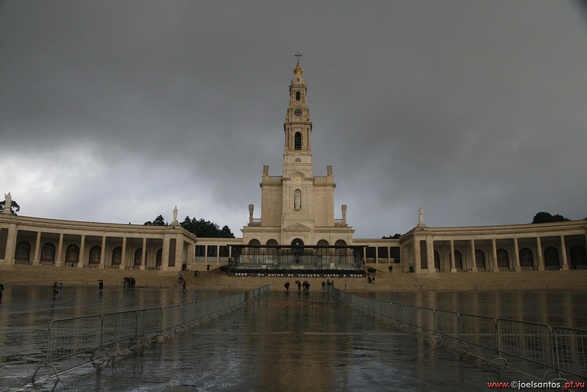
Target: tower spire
298	55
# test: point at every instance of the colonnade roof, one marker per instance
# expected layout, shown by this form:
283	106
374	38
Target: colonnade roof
82	227
522	230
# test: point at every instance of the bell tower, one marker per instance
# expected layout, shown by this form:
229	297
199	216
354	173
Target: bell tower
297	155
297	207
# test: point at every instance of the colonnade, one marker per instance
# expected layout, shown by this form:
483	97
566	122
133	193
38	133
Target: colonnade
560	246
37	241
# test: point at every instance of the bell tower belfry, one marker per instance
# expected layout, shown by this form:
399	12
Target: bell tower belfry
297	208
297	155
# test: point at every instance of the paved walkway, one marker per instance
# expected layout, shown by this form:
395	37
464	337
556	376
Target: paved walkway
290	342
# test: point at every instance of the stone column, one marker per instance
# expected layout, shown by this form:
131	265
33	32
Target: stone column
205	254
376	255
565	265
473	260
540	257
81	263
516	256
103	253
453	267
123	254
417	255
37	252
165	253
178	253
191	254
430	255
144	255
11	245
59	256
494	255
404	259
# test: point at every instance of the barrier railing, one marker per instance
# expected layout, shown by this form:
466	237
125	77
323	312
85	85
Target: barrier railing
571	351
96	334
518	344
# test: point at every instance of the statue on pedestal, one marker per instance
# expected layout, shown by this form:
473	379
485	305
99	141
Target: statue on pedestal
8	204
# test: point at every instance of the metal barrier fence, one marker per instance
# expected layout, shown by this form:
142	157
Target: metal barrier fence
513	343
95	334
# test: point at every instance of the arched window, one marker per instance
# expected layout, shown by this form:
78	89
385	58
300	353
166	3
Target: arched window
48	252
458	260
298	141
578	257
298	95
503	259
479	259
95	254
117	255
23	251
322	249
551	257
526	258
138	257
159	258
72	254
297	242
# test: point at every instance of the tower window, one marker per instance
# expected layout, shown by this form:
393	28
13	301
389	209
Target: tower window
298	96
298	141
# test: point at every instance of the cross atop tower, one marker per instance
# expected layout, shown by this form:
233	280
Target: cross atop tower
298	55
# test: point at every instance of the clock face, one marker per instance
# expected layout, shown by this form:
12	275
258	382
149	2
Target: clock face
298	112
297	179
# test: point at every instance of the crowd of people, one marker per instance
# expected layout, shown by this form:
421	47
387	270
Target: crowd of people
305	285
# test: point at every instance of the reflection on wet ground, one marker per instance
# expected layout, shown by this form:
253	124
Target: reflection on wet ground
555	308
285	341
25	314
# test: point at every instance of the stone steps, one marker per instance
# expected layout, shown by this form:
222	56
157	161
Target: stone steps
216	280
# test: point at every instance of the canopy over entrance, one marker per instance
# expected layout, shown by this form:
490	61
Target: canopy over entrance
311	259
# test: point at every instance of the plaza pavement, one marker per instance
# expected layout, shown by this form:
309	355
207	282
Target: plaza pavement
217	280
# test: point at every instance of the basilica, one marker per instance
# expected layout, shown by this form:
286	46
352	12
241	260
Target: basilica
298	229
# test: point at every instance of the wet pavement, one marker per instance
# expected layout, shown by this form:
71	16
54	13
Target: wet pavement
284	341
555	308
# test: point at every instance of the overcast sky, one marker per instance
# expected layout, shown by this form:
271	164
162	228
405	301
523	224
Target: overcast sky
118	110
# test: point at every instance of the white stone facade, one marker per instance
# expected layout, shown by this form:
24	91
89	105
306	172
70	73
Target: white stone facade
297	207
61	243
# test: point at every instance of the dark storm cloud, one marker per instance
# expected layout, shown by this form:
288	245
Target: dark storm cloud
118	111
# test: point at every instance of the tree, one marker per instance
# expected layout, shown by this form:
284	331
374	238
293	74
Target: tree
546	217
395	236
159	221
226	233
204	228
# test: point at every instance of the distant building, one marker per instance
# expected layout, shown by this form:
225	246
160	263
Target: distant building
297	230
